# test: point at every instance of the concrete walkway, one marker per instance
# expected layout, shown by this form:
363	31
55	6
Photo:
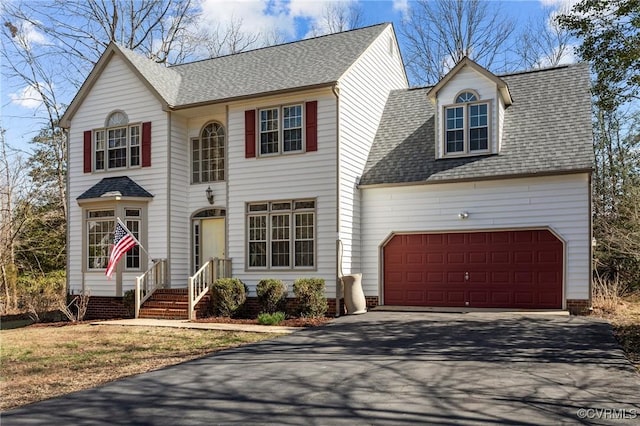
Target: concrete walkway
254	328
380	368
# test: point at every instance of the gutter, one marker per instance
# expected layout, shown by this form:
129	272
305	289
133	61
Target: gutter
336	92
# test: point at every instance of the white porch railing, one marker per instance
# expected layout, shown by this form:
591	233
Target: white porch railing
147	283
201	281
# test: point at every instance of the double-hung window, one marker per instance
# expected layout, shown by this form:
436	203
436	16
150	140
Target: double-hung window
280	130
466	125
207	154
281	234
118	144
100	226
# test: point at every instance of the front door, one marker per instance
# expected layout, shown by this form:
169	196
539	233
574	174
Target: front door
209	241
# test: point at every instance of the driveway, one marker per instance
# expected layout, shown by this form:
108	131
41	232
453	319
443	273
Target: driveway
381	368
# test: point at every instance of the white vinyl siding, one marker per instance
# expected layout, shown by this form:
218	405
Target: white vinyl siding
364	90
310	175
117	89
560	203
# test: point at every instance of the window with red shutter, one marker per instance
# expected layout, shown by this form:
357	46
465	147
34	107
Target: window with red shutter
146	144
87	151
250	133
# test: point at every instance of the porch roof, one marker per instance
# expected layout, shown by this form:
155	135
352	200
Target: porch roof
121	185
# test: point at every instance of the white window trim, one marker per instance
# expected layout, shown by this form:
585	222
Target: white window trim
467	127
269	213
106	149
281	129
201	160
119	209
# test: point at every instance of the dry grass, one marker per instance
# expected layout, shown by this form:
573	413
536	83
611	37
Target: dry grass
43	362
624	315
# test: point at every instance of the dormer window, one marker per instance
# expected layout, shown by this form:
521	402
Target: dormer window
467	125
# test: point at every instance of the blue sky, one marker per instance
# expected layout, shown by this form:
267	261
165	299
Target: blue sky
23	116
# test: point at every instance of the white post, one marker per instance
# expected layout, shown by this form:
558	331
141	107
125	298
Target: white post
191	307
137	297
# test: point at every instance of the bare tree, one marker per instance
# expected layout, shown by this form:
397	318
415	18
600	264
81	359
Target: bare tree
226	38
439	33
338	16
543	42
15	206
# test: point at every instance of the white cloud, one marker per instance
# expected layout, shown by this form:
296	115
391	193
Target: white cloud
255	15
559	4
29	98
30	35
401	6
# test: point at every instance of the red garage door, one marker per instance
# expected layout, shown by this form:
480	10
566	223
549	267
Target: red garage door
507	269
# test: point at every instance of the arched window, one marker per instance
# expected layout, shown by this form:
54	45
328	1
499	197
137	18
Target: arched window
118	144
466	125
208	154
466	97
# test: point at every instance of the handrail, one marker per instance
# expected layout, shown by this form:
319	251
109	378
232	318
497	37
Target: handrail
155	277
200	283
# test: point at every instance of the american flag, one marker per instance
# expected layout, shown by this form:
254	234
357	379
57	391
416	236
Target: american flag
123	241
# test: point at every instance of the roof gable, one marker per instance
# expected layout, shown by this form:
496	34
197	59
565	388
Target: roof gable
149	72
466	62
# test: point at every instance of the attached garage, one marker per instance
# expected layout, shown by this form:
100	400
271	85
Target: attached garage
520	269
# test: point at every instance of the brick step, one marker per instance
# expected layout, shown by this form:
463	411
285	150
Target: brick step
172	304
172	291
166	304
163	313
177	297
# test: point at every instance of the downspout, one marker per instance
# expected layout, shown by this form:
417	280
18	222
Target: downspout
169	258
338	284
68	233
591	260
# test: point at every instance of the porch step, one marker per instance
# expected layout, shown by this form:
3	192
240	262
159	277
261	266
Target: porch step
172	304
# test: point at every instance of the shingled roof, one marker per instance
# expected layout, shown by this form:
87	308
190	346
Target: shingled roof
314	62
547	130
122	186
306	63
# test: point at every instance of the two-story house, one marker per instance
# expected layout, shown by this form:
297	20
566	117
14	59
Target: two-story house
313	158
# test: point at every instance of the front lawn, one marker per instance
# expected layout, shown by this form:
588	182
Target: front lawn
45	361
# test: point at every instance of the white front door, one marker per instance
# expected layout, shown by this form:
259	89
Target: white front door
209	240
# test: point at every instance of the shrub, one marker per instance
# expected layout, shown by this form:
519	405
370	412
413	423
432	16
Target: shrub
227	296
267	318
310	294
272	295
40	294
129	302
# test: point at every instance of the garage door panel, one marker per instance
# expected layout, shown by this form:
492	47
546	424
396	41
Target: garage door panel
478	257
502	277
455	257
520	269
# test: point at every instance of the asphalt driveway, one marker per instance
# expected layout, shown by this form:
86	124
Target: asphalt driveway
381	368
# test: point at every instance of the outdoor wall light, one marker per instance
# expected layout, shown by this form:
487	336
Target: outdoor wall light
209	193
463	215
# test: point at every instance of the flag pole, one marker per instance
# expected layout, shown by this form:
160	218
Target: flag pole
134	237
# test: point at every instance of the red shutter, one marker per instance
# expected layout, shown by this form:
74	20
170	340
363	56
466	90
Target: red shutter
250	133
311	112
87	151
146	144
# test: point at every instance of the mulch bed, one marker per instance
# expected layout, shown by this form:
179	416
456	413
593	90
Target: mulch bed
290	322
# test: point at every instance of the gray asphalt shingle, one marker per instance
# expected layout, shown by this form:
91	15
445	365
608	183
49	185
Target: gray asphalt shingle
122	184
546	130
305	63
